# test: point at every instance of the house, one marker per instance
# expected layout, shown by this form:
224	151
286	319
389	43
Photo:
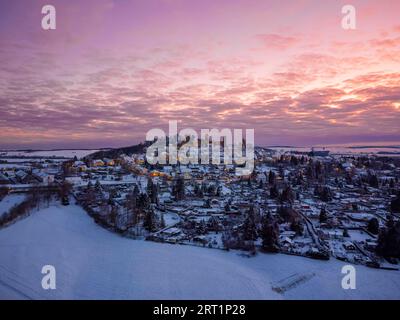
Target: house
371	244
43	177
349	246
171	232
286	241
214	203
109	162
288	234
80	166
97	163
21	175
200	239
348	166
26	178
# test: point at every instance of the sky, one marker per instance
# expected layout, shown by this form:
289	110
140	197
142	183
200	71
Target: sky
114	69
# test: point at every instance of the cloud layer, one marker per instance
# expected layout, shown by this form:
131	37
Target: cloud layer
114	69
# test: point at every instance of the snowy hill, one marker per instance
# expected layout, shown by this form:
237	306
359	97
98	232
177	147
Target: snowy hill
93	263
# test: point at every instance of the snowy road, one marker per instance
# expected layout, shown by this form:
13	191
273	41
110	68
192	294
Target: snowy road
92	263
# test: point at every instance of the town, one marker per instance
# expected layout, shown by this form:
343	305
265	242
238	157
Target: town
314	204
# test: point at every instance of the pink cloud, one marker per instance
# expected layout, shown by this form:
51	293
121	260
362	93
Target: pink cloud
102	80
277	42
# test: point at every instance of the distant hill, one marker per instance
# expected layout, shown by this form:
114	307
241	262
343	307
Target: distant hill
141	147
115	152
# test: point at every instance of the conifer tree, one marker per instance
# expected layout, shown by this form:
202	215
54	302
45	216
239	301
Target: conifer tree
373	226
323	217
249	226
149	222
162	221
269	234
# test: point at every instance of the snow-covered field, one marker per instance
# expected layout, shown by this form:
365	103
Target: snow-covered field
346	149
93	263
49	153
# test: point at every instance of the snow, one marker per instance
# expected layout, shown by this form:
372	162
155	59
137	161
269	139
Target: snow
79	153
359	235
171	218
93	263
12	166
9	201
30	160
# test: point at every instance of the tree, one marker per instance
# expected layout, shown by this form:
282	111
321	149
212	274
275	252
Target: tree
3	192
287	195
196	189
135	191
47	195
152	191
310	173
273	192
178	189
65	189
162	221
373	181
89	196
269	234
143	202
111	196
131	206
149	186
318	169
299	179
390	222
249	229
373	226
113	215
282	173
149	221
66	168
227	207
213	224
323	217
287	214
324	193
297	227
202	227
395	204
211	189
271	177
89	185
249	182
389	242
97	186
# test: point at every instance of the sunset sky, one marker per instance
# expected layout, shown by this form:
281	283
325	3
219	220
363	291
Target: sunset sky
113	69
